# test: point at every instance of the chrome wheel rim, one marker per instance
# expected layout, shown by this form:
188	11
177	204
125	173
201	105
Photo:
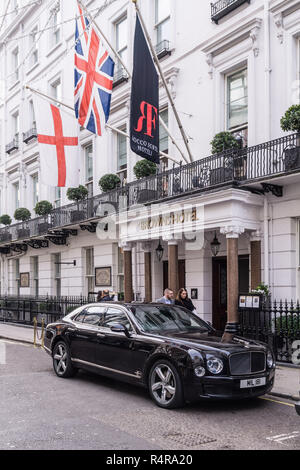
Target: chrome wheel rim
163	384
60	359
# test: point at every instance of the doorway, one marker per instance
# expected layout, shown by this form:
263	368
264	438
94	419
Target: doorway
219	288
181	274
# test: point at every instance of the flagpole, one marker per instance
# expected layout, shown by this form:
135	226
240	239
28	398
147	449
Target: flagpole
114	129
164	81
129	74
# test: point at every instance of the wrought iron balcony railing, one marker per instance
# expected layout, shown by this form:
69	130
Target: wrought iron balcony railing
13	145
232	167
162	49
221	8
30	135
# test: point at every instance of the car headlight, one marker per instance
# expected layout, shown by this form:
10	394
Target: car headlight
270	360
199	371
214	365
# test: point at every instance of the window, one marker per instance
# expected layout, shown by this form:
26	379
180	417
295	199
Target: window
122	156
15	126
121	40
114	315
162	20
35	274
237	100
55	31
15	65
56	90
32	120
93	315
57	273
88	151
35	189
89	269
16	195
34	55
17	276
57	197
164	138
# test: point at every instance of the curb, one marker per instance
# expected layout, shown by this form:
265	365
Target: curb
22	341
285	395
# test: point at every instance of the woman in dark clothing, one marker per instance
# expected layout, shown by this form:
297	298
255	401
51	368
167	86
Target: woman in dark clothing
183	300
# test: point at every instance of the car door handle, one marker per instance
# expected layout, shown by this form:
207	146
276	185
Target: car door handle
101	335
72	330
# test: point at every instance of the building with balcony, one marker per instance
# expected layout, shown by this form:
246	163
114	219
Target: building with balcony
230	66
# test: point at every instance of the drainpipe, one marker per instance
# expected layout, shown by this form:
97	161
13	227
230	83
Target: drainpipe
267	70
266	241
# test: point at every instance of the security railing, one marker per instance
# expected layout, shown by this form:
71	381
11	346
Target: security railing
30	135
13	145
232	167
221	8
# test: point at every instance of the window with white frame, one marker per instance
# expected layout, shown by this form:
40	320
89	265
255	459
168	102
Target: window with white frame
122	155
15	66
57	273
89	270
164	138
162	20
17	276
35	274
237	104
35	189
88	155
121	40
57	197
55	30
15	126
16	195
56	90
34	55
32	121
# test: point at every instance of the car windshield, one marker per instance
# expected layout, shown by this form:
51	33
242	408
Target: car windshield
166	318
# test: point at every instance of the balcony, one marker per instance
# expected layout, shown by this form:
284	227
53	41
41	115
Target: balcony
13	145
120	76
162	49
30	135
231	168
221	8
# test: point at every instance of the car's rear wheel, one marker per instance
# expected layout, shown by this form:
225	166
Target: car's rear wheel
165	385
62	363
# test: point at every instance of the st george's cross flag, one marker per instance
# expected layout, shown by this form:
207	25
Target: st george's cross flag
94	72
57	133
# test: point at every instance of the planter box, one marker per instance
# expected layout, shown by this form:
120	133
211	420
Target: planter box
220	175
43	227
292	159
23	233
6	237
146	195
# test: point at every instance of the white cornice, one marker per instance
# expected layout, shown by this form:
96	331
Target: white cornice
284	6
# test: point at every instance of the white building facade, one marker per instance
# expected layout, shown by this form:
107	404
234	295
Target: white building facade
231	67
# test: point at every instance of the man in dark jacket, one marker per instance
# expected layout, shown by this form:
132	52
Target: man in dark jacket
105	296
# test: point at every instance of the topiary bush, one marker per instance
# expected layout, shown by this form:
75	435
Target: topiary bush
22	214
291	119
77	194
43	208
5	220
109	182
223	141
144	168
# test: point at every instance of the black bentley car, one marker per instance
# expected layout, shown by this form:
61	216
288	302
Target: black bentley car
167	349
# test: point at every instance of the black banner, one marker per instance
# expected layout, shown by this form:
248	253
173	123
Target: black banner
144	118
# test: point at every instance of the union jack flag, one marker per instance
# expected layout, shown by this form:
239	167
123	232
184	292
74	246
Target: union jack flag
94	71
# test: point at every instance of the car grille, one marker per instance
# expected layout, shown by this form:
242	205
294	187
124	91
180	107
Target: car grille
247	363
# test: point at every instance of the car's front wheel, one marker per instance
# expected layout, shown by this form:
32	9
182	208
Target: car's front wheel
62	363
165	385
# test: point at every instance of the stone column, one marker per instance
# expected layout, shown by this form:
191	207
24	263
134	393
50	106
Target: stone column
147	248
255	259
128	289
173	266
232	235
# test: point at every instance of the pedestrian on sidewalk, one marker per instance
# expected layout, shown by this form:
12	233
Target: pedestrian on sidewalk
168	297
183	300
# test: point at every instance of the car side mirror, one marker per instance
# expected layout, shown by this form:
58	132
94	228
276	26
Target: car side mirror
119	328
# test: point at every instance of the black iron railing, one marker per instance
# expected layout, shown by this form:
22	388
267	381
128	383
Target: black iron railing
162	49
231	167
278	324
13	145
30	135
221	8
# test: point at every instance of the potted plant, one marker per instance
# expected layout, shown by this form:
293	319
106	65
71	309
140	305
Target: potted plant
77	195
109	182
43	208
222	142
143	169
5	220
290	122
23	215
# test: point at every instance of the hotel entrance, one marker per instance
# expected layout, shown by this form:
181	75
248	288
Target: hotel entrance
219	288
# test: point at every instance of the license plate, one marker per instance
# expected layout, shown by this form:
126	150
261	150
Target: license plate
253	382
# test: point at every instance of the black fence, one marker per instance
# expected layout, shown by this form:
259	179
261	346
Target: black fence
277	324
24	309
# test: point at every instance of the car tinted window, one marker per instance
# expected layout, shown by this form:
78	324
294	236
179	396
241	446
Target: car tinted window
79	317
114	315
93	315
167	318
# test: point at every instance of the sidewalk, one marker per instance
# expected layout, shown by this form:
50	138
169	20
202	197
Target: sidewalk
287	380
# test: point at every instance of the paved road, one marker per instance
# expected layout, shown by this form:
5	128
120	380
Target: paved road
40	411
